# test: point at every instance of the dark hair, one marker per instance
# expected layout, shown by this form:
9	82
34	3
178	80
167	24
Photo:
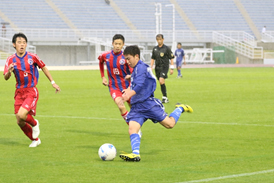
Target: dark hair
118	36
160	35
20	34
132	50
179	44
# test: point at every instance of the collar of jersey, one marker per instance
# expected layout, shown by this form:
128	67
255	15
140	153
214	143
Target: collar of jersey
116	53
22	56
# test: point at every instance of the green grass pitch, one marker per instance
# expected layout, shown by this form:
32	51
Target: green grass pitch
231	131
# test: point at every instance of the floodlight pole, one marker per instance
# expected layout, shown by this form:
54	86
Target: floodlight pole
158	15
173	23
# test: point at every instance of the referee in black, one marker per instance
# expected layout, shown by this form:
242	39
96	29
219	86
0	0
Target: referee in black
161	54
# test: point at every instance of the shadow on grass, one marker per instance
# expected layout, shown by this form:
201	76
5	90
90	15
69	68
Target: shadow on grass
9	142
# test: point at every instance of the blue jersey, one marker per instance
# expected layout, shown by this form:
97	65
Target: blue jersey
143	82
179	53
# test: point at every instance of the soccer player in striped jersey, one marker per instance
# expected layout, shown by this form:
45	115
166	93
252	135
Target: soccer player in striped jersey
144	105
24	65
118	71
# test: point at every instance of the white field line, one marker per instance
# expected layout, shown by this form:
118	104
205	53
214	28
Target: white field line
230	176
119	119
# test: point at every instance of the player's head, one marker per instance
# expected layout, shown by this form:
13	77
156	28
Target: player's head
179	45
132	55
160	39
19	41
118	42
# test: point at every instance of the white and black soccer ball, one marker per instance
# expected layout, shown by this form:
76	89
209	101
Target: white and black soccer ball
107	152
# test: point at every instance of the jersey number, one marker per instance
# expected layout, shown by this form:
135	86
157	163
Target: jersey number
116	71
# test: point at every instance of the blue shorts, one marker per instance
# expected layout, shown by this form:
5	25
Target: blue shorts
152	109
179	63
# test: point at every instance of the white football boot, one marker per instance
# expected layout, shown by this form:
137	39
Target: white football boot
35	143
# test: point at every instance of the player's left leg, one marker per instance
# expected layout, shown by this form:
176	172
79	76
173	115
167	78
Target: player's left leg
171	120
135	141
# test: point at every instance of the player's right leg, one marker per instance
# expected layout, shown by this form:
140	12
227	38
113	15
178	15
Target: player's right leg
24	106
26	127
117	96
135	140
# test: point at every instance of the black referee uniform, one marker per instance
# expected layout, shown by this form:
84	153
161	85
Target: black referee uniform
161	56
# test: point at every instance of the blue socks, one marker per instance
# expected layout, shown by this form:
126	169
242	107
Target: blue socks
135	143
177	113
179	72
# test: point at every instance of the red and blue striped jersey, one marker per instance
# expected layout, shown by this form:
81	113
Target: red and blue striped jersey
25	69
117	69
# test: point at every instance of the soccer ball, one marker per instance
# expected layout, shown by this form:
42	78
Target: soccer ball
107	152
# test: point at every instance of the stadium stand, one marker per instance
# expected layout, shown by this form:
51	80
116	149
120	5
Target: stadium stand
91	14
31	14
261	12
97	14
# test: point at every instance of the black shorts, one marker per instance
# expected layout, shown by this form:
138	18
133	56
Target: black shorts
161	72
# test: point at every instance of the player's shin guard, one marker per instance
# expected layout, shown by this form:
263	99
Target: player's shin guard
30	120
28	131
135	143
176	114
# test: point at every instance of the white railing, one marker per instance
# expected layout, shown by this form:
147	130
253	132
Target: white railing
240	36
130	35
268	36
237	46
269	55
6	46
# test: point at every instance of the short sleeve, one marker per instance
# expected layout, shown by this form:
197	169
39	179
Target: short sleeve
38	61
169	53
153	54
6	68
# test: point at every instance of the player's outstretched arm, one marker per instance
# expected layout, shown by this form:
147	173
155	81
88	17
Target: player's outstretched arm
47	73
10	70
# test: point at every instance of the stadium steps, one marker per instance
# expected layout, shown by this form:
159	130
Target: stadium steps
64	17
183	15
6	19
247	18
124	17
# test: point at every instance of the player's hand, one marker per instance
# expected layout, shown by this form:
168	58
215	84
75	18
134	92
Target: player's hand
58	89
124	95
104	81
171	71
11	67
128	77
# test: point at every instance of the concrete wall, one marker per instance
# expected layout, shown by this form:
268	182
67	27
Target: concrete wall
64	55
266	46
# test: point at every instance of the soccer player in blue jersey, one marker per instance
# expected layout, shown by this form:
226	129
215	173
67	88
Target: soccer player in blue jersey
143	104
180	54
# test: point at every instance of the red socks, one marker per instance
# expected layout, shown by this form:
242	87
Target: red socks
30	120
125	116
27	129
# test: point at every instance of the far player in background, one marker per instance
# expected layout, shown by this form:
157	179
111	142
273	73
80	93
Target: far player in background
119	72
24	67
144	105
180	54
